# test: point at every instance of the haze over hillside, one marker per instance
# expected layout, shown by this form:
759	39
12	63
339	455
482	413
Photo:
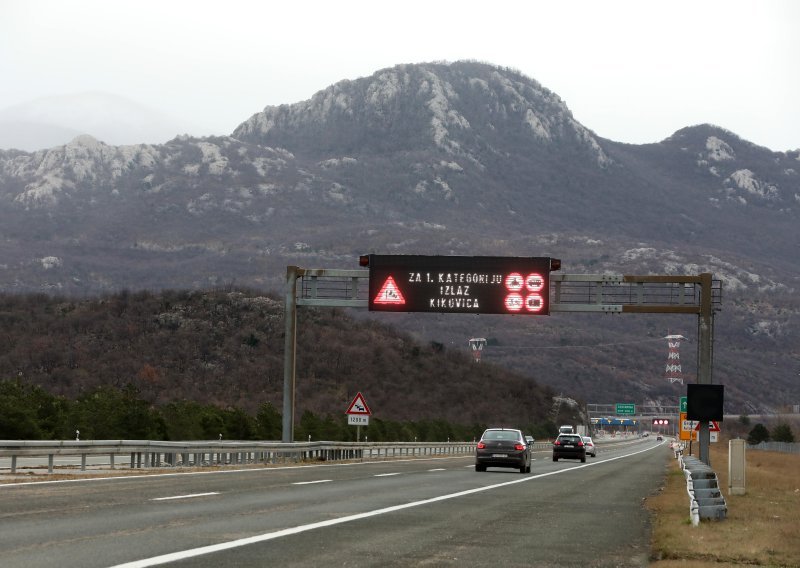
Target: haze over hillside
457	159
55	121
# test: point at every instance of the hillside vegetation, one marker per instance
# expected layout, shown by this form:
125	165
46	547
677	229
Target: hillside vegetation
224	349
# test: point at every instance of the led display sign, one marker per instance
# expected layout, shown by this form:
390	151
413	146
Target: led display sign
704	402
460	284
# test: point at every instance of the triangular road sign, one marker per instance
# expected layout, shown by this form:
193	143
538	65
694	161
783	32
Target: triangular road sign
713	426
359	406
389	294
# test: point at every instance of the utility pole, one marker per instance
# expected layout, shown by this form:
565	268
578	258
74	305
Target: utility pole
704	357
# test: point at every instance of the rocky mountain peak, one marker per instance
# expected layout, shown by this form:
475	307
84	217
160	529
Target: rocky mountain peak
449	107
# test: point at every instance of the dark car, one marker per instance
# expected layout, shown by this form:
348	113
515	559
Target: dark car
569	446
503	447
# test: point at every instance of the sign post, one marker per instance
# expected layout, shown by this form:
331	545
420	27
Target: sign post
358	414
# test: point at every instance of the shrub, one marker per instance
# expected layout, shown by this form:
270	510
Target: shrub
758	434
782	433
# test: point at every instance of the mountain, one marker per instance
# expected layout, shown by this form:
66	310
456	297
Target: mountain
457	159
53	121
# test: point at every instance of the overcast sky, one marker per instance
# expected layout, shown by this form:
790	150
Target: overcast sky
632	71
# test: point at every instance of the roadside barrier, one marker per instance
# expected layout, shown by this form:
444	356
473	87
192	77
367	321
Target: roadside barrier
702	484
155	454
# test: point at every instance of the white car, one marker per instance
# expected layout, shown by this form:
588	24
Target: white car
590	449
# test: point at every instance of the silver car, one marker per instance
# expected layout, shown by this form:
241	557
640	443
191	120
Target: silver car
591	450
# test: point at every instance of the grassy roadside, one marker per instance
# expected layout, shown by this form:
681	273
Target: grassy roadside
762	527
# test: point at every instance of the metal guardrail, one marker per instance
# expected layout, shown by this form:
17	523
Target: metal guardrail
705	496
150	454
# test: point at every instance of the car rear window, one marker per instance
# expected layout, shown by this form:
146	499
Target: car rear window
500	435
570	439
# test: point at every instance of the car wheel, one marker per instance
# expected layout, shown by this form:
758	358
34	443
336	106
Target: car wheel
528	470
555	459
583	459
523	468
480	467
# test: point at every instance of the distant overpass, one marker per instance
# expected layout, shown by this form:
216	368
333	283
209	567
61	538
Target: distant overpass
642	411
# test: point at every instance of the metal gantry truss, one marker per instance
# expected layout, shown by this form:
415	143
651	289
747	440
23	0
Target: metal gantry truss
603	293
605	410
699	294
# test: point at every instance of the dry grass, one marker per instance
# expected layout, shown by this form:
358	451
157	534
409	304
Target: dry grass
762	527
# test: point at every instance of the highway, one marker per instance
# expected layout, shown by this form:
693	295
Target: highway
423	512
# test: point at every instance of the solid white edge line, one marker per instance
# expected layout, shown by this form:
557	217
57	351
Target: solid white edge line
193	552
311	482
185	496
386	474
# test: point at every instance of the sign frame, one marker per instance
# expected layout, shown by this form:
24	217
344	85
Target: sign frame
460	284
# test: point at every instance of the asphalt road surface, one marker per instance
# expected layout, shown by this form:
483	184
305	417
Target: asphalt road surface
425	512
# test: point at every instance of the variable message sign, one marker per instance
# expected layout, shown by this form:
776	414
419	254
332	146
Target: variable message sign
460	284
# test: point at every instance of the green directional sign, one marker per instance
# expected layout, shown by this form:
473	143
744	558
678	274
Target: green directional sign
683	404
627	408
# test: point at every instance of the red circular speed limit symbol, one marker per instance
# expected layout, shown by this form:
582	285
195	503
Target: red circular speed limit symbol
534	282
514	282
514	302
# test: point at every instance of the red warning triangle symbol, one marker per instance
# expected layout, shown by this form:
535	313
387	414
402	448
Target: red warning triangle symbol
713	426
389	294
358	406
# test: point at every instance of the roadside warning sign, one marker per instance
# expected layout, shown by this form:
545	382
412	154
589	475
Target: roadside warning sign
713	426
690	428
389	293
359	406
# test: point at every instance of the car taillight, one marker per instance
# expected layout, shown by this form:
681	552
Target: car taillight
556	443
481	445
580	444
519	447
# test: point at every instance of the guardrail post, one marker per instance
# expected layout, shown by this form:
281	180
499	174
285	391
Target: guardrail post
133	460
111	460
49	463
83	462
13	464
